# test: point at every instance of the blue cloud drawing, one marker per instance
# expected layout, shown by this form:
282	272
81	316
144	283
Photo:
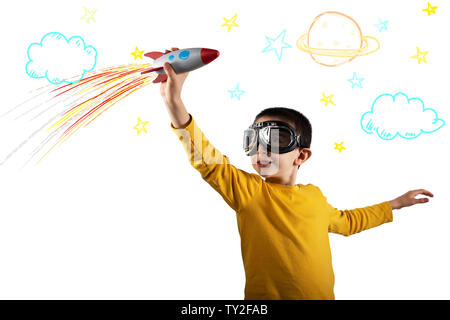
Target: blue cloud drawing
399	115
60	59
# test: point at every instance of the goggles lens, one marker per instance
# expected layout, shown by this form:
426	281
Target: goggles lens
250	136
275	139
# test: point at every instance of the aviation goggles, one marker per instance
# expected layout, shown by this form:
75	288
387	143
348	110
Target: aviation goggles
275	136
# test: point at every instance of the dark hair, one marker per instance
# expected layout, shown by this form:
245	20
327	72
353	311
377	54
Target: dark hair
302	124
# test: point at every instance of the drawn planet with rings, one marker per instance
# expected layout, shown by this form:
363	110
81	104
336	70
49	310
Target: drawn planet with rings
334	38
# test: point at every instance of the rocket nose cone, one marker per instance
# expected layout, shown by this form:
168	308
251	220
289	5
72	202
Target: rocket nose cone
208	55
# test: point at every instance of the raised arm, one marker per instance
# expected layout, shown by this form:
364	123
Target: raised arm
171	94
234	185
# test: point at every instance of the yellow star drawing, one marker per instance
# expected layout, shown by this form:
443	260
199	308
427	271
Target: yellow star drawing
327	100
233	20
430	9
420	56
339	146
137	53
88	15
142	128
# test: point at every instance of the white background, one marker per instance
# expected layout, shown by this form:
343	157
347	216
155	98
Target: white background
113	214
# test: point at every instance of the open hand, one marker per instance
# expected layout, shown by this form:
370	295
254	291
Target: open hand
408	199
171	88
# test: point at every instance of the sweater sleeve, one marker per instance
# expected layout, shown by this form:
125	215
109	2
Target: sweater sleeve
348	222
234	185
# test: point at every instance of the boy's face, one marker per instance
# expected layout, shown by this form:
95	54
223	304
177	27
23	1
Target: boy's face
269	164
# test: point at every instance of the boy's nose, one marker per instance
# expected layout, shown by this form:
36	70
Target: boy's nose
262	151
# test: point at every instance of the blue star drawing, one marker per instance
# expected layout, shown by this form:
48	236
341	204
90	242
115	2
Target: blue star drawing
277	44
382	25
355	81
236	92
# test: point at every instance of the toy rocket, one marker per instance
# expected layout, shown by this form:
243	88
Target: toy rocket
183	60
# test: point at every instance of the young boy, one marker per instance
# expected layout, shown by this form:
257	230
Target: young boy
283	225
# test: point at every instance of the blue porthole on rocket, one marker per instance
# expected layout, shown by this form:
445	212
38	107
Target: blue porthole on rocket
184	55
171	57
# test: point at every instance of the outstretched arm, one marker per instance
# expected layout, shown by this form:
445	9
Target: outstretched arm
348	222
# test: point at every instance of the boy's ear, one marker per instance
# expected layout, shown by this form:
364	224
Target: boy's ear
304	154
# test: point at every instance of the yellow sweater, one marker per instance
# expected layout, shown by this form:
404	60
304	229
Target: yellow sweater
284	229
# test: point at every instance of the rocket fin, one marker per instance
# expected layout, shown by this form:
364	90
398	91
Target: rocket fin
154	54
160	78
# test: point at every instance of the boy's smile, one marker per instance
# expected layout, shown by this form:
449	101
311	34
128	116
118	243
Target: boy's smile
265	163
262	164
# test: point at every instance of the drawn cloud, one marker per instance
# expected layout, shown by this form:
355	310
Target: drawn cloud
398	115
60	59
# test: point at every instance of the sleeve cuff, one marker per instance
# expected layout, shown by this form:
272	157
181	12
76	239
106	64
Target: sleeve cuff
185	126
388	209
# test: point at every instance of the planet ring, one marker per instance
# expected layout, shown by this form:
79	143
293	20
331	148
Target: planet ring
338	52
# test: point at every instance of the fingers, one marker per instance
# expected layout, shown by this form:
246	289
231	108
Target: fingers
421	191
426	192
171	49
421	200
168	69
414	193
